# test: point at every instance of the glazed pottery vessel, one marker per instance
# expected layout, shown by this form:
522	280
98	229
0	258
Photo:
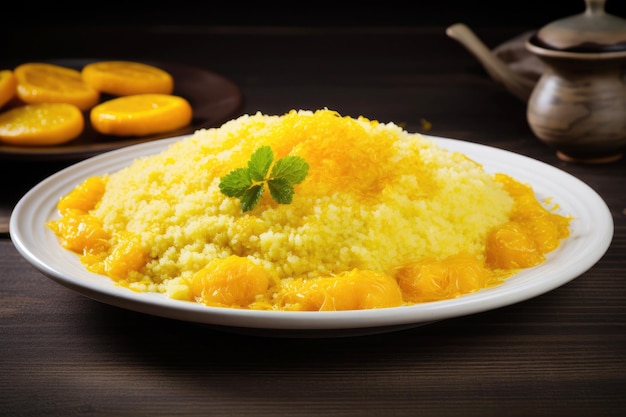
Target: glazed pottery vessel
578	105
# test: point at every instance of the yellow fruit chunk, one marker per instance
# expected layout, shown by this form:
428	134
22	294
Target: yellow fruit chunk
141	114
127	256
532	232
8	84
84	197
510	246
432	280
41	124
80	232
350	290
230	282
123	78
49	83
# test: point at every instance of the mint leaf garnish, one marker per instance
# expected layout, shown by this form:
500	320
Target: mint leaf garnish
236	182
248	184
281	190
291	168
251	197
260	162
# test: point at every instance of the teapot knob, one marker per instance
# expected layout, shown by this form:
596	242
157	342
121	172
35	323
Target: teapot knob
593	31
594	6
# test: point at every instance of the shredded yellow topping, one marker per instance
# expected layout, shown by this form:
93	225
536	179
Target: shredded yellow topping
384	218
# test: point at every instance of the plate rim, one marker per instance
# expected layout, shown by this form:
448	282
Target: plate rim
160	305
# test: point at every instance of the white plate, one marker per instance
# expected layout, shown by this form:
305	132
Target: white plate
591	235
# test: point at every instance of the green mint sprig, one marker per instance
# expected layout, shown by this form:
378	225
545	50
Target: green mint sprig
248	184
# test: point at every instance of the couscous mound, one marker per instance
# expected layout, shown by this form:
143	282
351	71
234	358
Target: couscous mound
383	218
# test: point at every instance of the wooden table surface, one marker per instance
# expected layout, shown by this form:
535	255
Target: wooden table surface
560	354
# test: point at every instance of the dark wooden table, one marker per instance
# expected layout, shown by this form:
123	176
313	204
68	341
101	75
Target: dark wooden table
559	354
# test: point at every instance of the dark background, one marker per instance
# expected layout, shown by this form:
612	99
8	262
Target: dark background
527	13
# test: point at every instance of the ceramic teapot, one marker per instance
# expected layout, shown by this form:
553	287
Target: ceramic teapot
578	104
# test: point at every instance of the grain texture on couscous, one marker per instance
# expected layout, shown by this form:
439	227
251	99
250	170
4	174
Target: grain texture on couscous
376	199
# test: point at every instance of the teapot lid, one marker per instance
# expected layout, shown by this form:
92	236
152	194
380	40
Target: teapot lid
594	30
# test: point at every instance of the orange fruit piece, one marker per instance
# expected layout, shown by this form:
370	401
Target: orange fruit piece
349	290
141	115
124	78
354	290
8	84
432	280
128	255
81	233
84	197
49	83
511	246
41	124
230	282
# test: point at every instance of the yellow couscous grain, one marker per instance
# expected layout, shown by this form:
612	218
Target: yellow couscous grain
376	198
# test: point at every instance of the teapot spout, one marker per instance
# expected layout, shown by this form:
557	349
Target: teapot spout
518	85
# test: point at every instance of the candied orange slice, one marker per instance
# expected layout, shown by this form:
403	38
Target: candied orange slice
141	114
123	78
8	85
48	83
41	124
